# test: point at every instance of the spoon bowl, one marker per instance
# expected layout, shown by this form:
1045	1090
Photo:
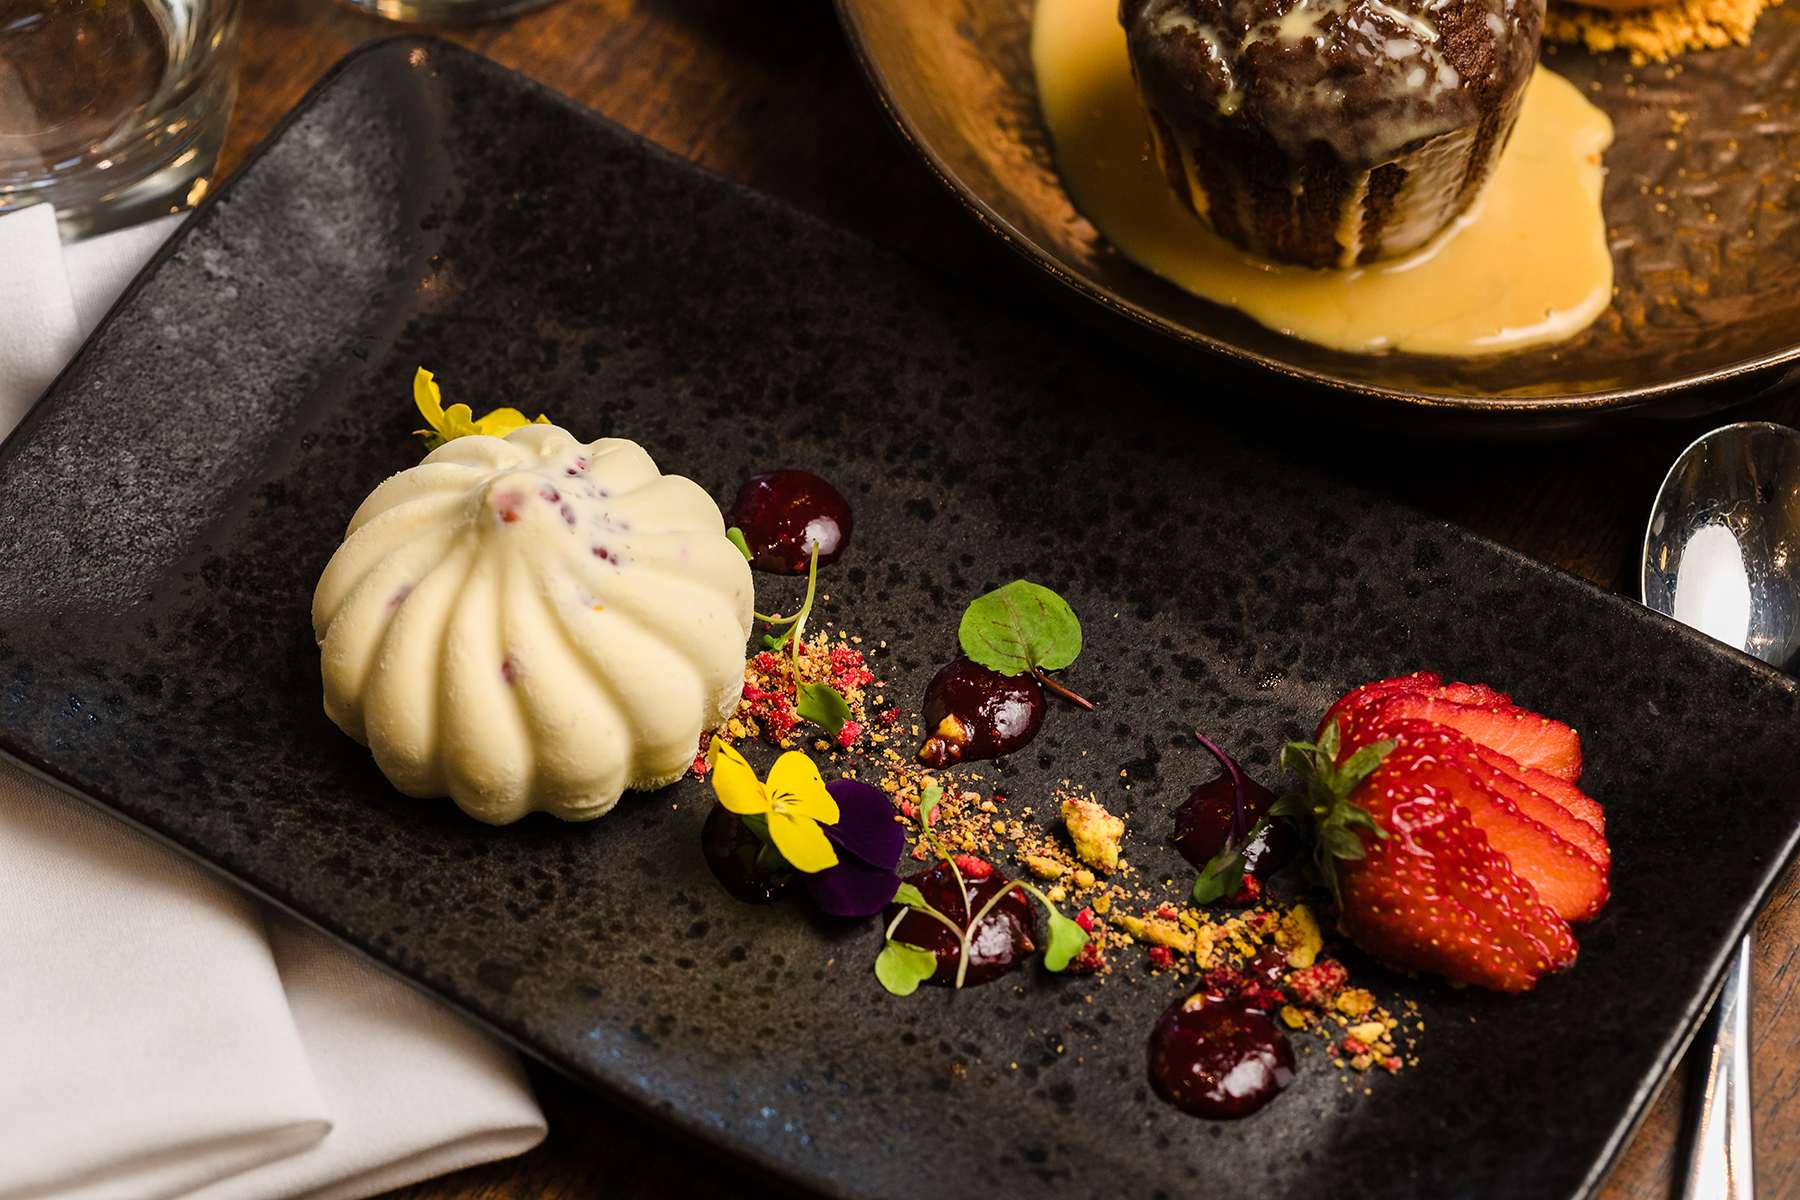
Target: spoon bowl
1722	552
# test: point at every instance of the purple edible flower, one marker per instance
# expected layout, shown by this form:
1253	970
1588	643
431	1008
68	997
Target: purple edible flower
869	842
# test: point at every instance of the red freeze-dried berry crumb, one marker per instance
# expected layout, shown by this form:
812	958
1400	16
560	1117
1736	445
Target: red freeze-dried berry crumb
908	809
1315	986
1354	1046
849	733
1225	981
1160	958
1249	891
699	767
1392	1063
1088	962
1261	996
973	867
1085	919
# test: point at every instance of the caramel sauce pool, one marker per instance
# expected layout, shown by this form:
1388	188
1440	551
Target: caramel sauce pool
1527	265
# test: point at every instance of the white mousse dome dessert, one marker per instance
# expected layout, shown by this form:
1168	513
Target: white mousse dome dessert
528	623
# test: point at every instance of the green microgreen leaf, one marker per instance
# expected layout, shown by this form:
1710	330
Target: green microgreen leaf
1221	878
1066	937
902	967
737	539
757	823
911	897
1066	941
823	705
1326	801
1020	628
928	802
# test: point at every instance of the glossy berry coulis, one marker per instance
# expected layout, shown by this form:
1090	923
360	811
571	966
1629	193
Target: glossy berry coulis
783	514
1219	1055
731	851
1000	942
1204	818
973	712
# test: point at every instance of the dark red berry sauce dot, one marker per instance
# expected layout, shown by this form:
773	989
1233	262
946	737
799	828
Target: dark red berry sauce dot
1202	821
731	851
783	514
1218	1057
1001	941
973	712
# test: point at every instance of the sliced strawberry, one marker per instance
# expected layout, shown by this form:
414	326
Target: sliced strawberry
1530	830
1562	791
1421	791
1400	908
1485	881
1524	736
1478	694
1555	802
1374	694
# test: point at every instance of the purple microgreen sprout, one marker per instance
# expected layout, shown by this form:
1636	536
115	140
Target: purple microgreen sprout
1223	875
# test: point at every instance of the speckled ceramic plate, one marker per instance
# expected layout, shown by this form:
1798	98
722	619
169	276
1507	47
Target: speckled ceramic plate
1699	186
172	501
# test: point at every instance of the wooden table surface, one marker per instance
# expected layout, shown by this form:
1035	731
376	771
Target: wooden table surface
766	91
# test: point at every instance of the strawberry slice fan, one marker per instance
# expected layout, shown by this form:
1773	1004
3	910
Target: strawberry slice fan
1491	851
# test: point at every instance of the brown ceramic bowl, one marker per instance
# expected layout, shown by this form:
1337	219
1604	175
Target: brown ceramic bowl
1700	201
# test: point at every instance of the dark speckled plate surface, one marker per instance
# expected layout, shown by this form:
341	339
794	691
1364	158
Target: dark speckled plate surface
172	502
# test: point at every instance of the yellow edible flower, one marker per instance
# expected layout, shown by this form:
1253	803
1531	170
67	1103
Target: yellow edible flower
459	420
794	801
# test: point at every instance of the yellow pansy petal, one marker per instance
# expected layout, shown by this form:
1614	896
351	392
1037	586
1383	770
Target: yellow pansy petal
429	399
795	787
459	421
801	842
734	780
501	422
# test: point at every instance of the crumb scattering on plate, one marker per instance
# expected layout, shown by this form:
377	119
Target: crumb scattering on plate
1657	32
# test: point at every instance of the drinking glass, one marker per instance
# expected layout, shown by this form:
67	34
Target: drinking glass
113	110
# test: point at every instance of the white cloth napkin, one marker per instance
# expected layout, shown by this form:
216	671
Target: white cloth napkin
162	1034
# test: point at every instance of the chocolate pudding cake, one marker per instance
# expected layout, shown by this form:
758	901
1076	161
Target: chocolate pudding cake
1330	132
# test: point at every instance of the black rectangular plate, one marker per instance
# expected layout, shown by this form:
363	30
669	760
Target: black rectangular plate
172	502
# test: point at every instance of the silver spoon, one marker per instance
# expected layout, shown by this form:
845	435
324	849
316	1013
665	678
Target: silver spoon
1722	554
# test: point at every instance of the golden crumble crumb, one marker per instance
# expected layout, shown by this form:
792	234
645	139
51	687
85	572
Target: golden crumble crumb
1158	931
1095	832
1298	934
1354	1002
1657	32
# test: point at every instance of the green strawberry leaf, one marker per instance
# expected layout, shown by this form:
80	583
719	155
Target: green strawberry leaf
823	705
737	539
1326	800
1066	941
902	967
1020	628
1221	878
